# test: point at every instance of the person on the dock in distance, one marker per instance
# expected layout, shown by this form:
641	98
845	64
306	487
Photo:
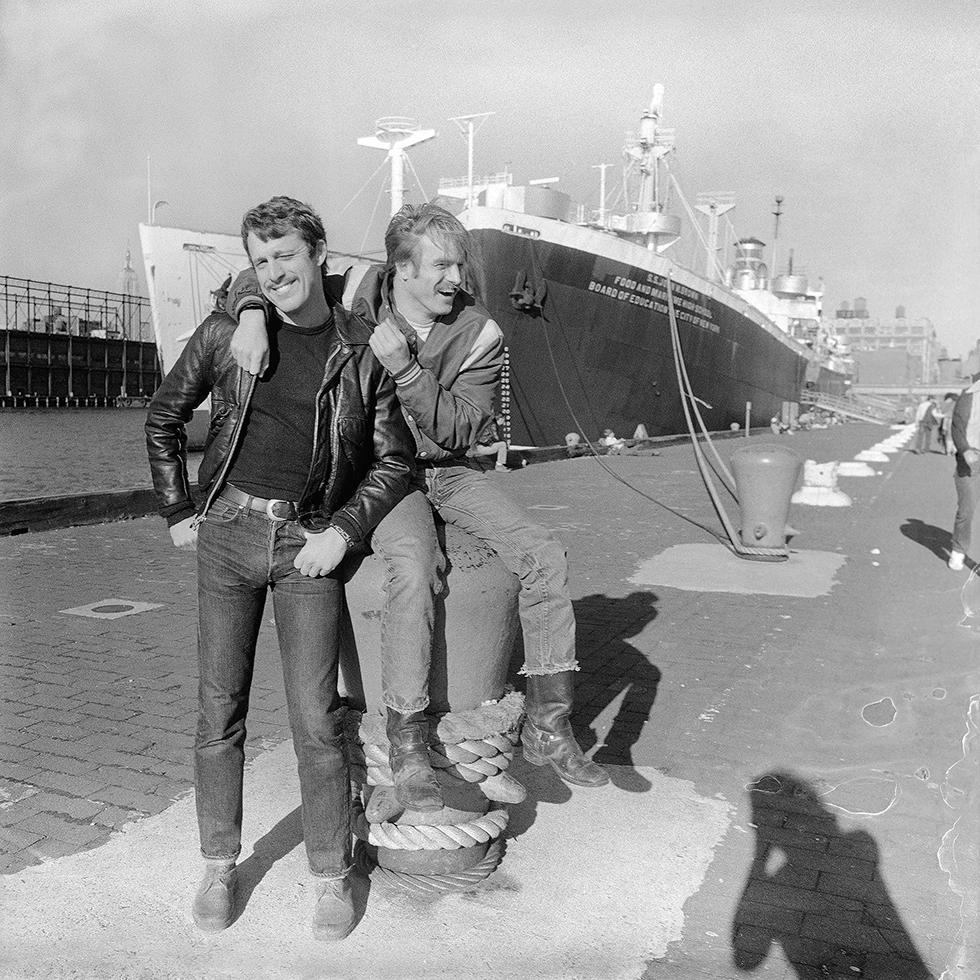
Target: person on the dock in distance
946	423
445	354
966	440
926	419
298	467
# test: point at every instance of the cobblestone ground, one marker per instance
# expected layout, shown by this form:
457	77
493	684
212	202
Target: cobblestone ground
97	715
833	725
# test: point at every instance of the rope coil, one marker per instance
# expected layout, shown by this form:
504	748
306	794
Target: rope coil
431	837
422	884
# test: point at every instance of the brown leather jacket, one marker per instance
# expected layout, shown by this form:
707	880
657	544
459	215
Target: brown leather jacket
362	450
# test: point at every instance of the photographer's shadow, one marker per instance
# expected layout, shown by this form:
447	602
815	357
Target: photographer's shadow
838	919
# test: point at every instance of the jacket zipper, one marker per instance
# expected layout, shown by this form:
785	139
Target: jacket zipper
235	436
330	372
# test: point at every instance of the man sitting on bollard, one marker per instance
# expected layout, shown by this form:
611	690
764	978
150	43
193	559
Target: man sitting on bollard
445	354
298	466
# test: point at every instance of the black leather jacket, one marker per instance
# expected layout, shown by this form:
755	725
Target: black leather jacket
362	449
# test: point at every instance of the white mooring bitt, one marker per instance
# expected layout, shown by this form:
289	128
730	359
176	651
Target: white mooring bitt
820	486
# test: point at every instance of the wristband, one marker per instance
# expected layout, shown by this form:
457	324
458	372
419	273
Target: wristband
348	540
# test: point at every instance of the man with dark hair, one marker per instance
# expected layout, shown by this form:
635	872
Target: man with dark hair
445	354
299	466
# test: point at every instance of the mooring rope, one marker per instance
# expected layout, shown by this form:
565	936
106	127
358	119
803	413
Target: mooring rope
689	404
581	429
430	837
434	884
688	400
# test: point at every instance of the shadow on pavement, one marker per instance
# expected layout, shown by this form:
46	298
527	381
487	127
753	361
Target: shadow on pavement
269	848
619	667
932	538
817	891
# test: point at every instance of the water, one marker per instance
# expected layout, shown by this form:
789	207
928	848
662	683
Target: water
44	452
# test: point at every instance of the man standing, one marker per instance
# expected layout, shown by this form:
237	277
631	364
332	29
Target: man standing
966	440
298	466
445	354
926	418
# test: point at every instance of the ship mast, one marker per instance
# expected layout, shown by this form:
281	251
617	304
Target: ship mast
468	125
396	134
714	206
648	224
777	213
602	168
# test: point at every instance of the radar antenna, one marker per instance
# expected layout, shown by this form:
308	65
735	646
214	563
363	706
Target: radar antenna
395	134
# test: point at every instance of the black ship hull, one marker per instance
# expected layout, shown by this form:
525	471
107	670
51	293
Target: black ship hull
589	341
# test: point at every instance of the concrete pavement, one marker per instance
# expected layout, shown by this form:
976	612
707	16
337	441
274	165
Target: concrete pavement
794	775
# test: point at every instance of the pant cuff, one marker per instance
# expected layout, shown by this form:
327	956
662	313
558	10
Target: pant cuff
403	707
332	875
542	671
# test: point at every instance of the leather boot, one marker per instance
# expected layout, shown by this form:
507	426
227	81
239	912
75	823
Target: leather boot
214	904
547	733
334	916
416	787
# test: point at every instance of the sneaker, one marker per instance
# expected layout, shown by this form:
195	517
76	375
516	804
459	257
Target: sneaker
214	904
956	561
502	468
334	917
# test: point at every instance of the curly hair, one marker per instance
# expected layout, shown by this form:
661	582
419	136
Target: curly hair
278	217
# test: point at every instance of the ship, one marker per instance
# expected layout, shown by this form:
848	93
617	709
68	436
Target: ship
585	302
595	311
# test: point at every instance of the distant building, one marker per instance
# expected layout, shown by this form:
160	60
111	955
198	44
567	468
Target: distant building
868	337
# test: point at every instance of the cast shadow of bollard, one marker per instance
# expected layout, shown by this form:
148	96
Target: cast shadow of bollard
273	846
610	668
822	900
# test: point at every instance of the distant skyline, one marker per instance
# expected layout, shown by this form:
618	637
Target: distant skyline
863	116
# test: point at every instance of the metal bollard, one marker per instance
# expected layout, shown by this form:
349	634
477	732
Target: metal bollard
765	478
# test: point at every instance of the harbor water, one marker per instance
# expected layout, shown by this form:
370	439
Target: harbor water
48	452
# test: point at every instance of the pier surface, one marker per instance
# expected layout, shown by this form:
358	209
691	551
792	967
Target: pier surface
793	750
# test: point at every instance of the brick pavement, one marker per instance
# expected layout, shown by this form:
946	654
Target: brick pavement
830	866
97	715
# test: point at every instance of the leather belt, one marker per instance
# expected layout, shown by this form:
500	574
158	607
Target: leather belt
275	510
438	464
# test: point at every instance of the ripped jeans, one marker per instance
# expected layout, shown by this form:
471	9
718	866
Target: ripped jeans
466	498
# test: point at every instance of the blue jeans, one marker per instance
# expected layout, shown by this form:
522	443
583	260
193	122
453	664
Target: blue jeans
967	488
242	554
406	541
467	499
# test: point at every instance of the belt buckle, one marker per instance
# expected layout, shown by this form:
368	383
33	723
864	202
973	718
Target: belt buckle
270	506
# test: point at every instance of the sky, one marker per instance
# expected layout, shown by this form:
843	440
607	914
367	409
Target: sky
863	116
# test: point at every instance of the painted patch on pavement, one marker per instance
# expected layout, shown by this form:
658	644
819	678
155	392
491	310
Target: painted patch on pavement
713	568
111	609
592	884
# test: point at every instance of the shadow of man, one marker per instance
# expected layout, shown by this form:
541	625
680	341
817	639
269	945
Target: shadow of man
273	846
817	891
932	538
612	668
